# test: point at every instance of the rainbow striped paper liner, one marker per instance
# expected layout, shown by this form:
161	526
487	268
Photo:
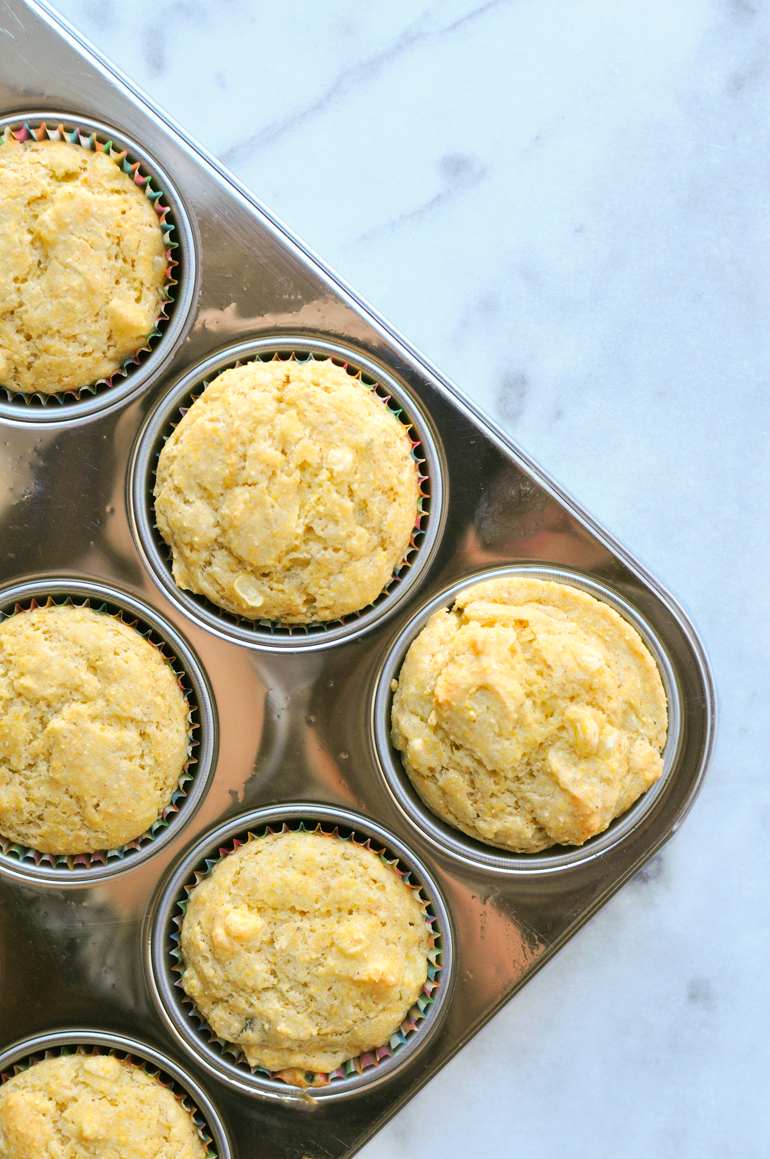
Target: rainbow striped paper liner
411	1024
97	143
101	857
368	382
177	1090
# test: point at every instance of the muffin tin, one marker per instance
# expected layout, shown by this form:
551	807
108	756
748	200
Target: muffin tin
302	716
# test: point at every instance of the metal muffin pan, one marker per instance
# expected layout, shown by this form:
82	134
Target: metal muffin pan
466	848
296	719
261	633
149	364
218	1057
27	864
26	1053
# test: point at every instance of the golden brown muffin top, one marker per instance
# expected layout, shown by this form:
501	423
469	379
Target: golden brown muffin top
93	731
93	1107
288	492
82	266
530	714
304	949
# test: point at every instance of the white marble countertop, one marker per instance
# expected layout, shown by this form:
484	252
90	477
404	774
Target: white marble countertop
566	206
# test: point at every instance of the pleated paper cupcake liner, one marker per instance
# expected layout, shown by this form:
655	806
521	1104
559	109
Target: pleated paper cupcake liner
409	1027
137	170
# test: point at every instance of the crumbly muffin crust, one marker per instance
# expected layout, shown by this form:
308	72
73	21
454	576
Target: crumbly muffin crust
93	1107
287	492
82	266
530	714
304	949
93	731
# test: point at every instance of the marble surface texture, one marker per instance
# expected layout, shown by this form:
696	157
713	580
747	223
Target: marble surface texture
565	205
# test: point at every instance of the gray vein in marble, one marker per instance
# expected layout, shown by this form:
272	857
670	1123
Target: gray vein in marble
512	396
462	176
101	13
348	79
154	35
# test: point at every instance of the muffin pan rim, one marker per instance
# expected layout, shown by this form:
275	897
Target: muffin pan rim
177	1017
196	608
468	850
181	315
505	926
24	1048
208	727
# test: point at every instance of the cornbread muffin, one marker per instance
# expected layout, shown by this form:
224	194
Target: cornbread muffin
82	266
93	1107
530	714
304	949
288	492
93	731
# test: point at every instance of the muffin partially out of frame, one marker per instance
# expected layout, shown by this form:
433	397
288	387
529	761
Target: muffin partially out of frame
82	266
93	731
529	714
92	1106
304	949
288	492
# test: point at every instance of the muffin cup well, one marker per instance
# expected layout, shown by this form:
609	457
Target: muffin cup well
265	634
225	1060
23	863
25	1053
458	844
171	322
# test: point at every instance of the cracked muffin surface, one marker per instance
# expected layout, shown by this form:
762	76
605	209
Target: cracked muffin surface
304	949
82	266
529	714
93	1107
93	731
288	492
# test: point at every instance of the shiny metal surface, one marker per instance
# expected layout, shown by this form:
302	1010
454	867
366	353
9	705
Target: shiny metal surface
181	1083
160	944
465	848
262	634
294	726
